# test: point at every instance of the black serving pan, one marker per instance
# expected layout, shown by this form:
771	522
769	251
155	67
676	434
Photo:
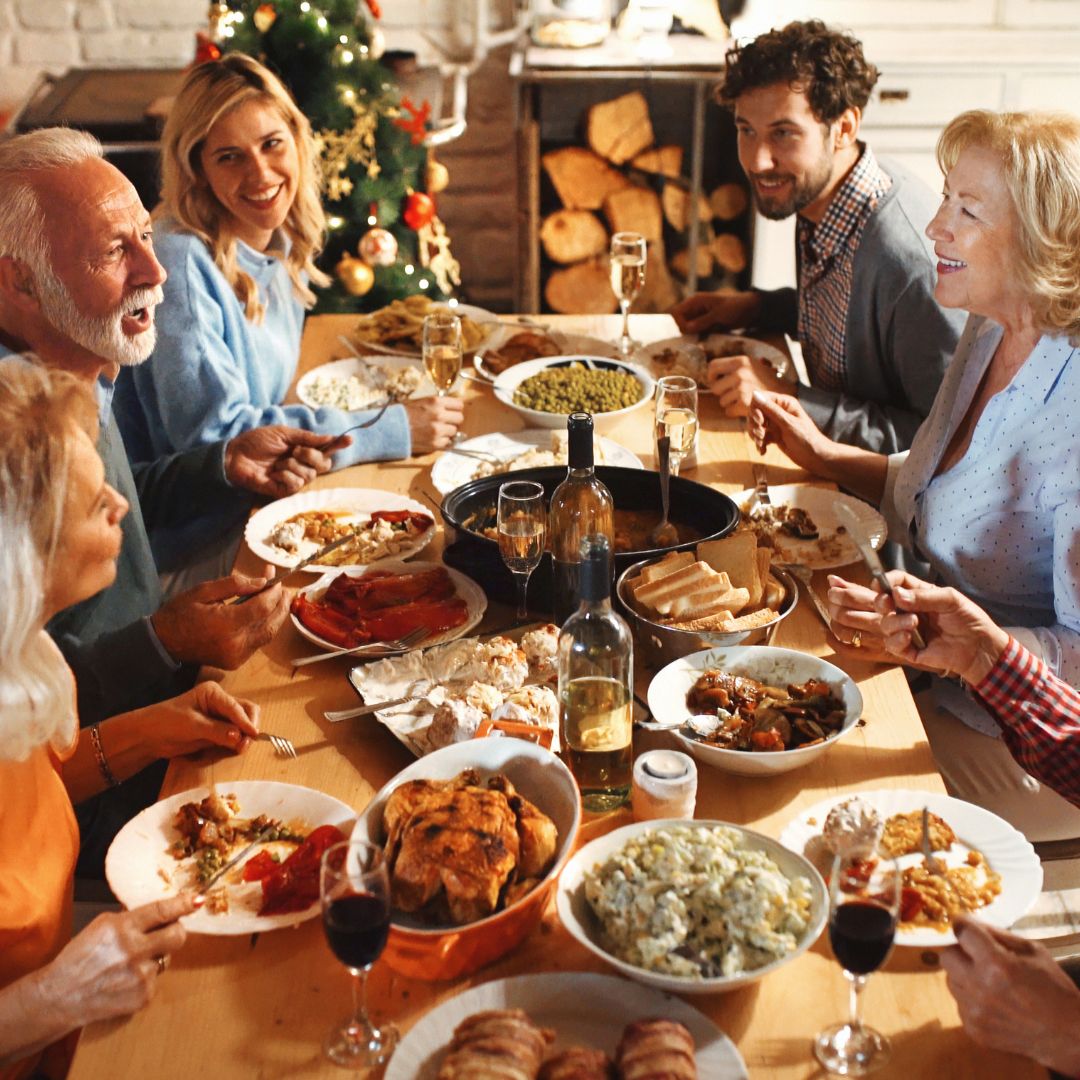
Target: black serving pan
711	512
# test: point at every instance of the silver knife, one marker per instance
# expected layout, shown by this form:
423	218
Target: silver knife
761	485
282	574
857	531
219	874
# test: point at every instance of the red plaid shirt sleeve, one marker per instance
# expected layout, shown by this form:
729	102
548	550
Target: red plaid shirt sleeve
1040	718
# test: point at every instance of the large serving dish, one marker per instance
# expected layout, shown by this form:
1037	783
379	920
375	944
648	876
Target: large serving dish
357	503
1007	852
702	508
140	869
689	355
437	953
369	341
661	643
507	383
567	344
580	920
467	589
343	370
583	1009
451	470
668	690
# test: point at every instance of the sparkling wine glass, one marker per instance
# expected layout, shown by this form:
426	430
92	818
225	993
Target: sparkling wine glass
442	349
355	889
522	525
864	906
676	416
627	279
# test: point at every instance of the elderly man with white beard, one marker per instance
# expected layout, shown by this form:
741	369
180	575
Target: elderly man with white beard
78	286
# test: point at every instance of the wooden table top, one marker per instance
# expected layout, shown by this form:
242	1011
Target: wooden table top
259	1006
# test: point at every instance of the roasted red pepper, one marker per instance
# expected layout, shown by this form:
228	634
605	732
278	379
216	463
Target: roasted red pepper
258	866
294	884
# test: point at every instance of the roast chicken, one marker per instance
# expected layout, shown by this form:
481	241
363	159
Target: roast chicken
458	848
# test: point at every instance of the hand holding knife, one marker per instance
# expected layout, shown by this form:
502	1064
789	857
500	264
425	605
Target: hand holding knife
281	575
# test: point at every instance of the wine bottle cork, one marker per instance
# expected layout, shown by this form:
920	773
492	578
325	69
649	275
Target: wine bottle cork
665	785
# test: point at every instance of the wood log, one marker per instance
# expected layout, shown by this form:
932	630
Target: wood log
728	201
659	294
680	261
635	209
620	128
581	178
570	236
730	253
581	289
676	202
662	160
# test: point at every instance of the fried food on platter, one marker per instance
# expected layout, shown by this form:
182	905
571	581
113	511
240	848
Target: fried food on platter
503	1044
400	325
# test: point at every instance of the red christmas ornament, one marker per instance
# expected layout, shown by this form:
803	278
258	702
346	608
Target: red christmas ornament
205	49
415	123
419	209
373	7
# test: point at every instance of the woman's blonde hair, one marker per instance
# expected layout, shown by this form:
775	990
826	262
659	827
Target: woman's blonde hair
1040	156
209	92
40	409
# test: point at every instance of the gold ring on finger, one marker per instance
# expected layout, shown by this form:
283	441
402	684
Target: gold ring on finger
856	639
162	964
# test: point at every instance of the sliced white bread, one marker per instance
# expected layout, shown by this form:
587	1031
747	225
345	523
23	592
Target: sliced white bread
672	561
659	595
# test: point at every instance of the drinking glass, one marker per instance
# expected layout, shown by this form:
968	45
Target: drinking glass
627	279
354	886
864	905
676	416
522	525
442	349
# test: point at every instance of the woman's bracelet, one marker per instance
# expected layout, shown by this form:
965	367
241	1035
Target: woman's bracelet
99	757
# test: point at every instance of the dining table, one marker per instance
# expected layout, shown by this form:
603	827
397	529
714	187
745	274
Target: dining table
259	1005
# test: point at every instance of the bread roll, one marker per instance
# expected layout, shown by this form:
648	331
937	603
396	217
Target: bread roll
650	1049
499	1044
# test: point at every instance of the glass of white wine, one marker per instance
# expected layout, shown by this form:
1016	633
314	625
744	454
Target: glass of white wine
522	525
676	416
442	349
627	279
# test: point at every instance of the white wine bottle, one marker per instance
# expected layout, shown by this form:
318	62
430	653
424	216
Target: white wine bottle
596	678
580	506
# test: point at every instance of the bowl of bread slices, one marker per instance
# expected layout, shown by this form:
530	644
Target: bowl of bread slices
724	592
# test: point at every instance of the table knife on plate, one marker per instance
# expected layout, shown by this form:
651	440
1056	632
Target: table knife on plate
282	574
858	532
219	874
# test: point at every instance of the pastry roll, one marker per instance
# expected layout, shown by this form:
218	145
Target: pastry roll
656	1050
577	1063
500	1044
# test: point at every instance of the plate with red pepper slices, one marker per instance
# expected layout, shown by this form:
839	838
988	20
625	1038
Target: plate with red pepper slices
276	885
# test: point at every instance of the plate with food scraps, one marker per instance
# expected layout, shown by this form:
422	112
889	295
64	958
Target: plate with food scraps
529	449
806	510
703	937
582	1009
1006	852
447	594
141	868
289	530
516	680
398	328
690	355
511	345
363	382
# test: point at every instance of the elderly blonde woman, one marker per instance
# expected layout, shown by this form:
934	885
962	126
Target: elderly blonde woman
238	230
61	527
989	493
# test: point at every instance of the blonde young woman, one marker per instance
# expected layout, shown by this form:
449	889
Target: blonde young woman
61	527
238	229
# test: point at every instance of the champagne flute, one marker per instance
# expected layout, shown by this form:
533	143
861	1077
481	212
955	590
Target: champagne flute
864	906
442	349
354	886
676	416
522	525
627	279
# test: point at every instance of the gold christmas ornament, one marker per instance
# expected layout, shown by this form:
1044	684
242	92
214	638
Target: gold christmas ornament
265	16
435	255
438	176
355	275
379	247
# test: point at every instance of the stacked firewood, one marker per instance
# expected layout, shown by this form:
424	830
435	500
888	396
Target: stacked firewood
624	182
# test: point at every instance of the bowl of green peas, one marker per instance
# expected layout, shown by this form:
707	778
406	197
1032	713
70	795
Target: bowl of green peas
548	390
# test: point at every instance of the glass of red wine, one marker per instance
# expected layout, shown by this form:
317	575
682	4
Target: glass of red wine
355	889
864	906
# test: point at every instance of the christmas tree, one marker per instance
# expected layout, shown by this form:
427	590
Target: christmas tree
385	240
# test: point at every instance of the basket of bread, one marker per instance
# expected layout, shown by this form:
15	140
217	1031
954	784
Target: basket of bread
723	593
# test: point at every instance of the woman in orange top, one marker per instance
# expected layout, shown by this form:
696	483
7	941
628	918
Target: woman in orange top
61	536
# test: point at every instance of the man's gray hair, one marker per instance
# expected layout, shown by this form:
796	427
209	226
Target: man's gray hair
22	219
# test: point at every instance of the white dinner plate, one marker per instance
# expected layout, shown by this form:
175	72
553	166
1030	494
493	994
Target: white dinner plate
467	589
358	503
567	343
469	311
1006	850
689	354
358	365
140	869
820	504
452	470
583	1009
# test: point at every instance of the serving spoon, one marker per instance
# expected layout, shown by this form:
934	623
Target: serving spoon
665	534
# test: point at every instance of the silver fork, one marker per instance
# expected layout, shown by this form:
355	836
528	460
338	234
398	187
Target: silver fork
406	641
282	747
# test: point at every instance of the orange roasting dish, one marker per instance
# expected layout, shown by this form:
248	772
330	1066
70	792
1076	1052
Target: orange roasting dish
382	606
